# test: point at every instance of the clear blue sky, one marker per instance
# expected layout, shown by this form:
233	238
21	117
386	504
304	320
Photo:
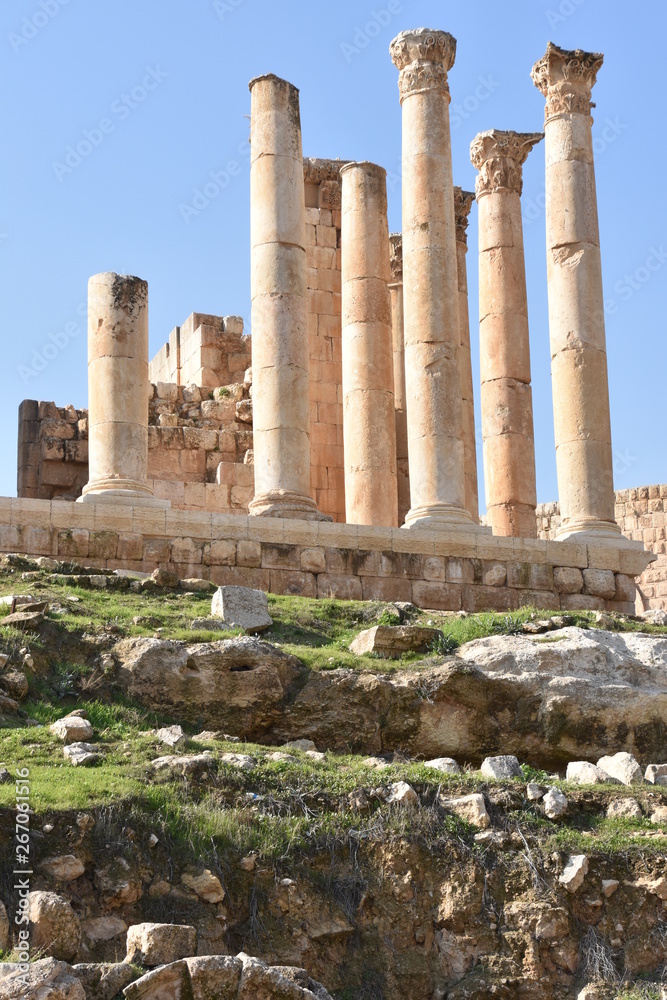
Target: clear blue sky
161	88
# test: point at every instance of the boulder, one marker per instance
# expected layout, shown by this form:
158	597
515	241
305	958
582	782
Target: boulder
445	764
54	926
25	621
65	868
195	765
659	816
82	754
118	884
46	979
392	641
554	803
105	981
172	736
471	808
303	745
656	774
623	767
224	977
160	944
242	760
238	685
242	607
206	885
574	873
402	794
584	773
15	683
654	616
164	578
624	809
502	767
72	729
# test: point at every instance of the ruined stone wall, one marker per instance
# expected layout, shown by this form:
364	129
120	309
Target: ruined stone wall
323	259
199	448
207	351
447	571
641	513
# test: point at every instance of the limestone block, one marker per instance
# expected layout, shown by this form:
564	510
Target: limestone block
600	583
242	607
501	768
568	580
72	729
391	641
160	944
623	767
55	928
471	808
65	868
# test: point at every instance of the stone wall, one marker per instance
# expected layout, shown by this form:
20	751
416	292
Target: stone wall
445	571
323	259
641	513
199	448
207	351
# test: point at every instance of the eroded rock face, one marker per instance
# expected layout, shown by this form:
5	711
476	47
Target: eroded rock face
584	694
236	684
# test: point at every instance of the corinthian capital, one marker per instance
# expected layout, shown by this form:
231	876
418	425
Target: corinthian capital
423	58
462	204
499	157
566	78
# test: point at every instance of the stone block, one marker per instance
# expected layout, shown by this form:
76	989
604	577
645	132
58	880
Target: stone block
186	550
568	580
489	599
157	550
313	560
494	574
342	587
130	546
434	569
220	553
436	596
241	576
581	602
73	543
352	562
604	557
600	583
242	607
281	557
544	599
404	565
248	553
283	581
378	588
541	576
626	589
519	574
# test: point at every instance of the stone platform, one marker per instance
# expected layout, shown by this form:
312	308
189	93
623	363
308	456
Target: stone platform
444	571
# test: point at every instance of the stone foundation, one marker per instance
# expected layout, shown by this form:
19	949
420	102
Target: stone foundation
443	571
641	514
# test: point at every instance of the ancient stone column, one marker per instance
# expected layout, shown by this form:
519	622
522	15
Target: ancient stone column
462	203
506	395
430	284
369	427
396	295
576	306
118	390
280	351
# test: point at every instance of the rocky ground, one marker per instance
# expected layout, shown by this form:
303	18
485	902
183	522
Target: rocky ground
381	852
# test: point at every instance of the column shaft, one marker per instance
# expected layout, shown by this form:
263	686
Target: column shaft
117	389
369	429
430	284
506	395
280	350
576	306
462	204
396	294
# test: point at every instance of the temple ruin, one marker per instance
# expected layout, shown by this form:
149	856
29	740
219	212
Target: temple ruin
333	452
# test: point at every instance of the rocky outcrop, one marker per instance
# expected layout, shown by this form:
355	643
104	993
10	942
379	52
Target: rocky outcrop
546	699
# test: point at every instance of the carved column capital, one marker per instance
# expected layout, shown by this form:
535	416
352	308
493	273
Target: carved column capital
462	204
566	78
499	157
423	58
396	257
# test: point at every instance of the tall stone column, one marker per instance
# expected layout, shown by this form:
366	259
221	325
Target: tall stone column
369	428
576	306
118	390
280	351
506	395
430	284
396	295
462	203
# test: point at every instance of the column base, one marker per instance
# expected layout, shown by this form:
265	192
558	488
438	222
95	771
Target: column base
283	503
121	491
590	529
442	517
